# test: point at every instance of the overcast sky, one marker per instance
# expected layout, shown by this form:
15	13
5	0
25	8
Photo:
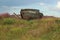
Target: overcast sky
47	7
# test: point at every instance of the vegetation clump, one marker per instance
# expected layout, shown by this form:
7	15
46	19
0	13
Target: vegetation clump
8	21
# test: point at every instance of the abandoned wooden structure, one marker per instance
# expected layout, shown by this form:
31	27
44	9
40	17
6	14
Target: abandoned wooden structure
30	14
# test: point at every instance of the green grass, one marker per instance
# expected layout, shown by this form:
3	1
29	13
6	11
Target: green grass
39	29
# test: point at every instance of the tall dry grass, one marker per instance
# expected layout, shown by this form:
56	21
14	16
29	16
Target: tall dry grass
38	29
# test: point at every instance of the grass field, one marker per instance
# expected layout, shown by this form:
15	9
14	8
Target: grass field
39	29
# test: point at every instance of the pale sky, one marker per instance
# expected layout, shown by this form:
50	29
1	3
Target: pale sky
47	7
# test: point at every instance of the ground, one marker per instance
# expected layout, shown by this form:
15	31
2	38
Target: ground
37	29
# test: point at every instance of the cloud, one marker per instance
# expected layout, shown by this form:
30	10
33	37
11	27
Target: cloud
4	6
58	4
4	9
18	2
55	8
42	4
